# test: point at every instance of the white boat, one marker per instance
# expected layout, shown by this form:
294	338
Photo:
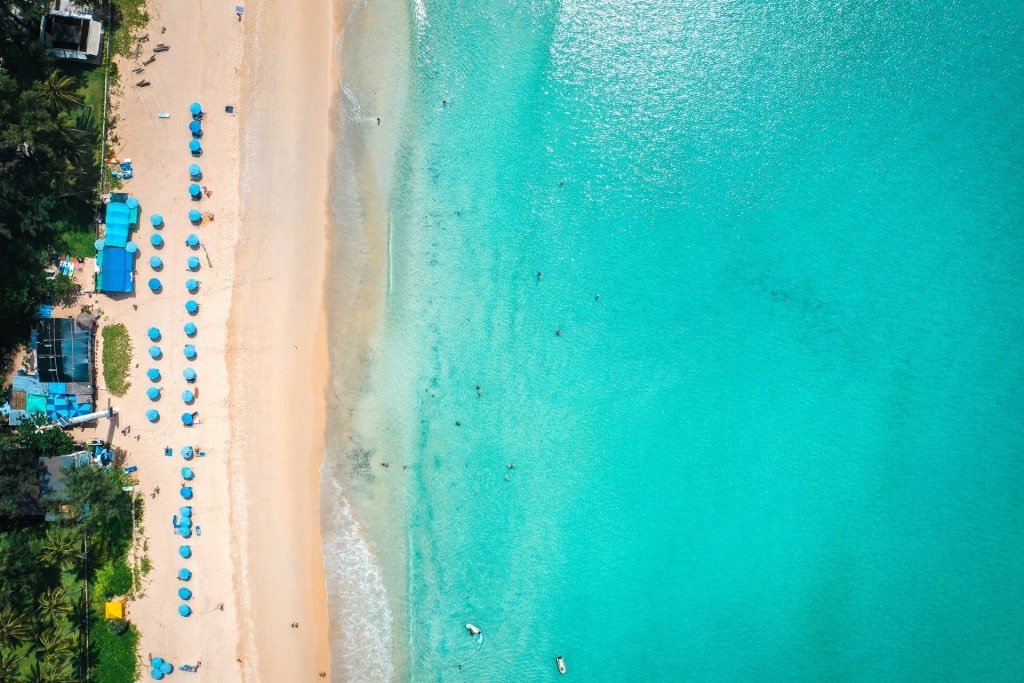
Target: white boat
473	630
560	661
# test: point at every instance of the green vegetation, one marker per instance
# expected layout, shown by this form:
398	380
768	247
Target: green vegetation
117	359
130	18
114	655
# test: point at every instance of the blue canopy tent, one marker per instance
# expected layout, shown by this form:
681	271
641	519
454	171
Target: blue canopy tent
156	263
196	128
184	574
190	375
191	285
195	191
153	393
186	492
155	352
188	396
152	414
190	351
195	215
193	263
184	593
195	109
195	148
114	268
192	240
184	610
154	333
191	306
153	374
156	220
191	329
155	284
157	241
186	452
187	419
188	475
194	172
185	551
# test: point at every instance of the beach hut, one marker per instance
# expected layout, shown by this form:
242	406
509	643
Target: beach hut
184	574
153	393
154	333
192	285
193	263
186	492
196	128
194	172
190	375
156	263
156	220
196	216
186	452
188	396
190	351
195	148
157	241
184	610
185	551
153	374
192	240
196	110
152	414
155	284
184	593
188	475
187	419
191	306
155	352
191	329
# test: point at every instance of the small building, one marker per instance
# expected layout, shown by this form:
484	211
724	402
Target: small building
72	35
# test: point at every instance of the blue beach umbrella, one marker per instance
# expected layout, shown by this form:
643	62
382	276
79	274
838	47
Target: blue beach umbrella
131	248
193	263
185	530
190	329
153	374
192	240
184	610
195	109
191	285
156	662
154	333
190	351
156	220
99	244
157	674
184	574
195	191
191	306
190	375
184	593
195	172
153	393
186	452
152	414
195	216
196	128
188	475
185	551
156	241
187	396
132	203
155	284
186	492
185	510
155	352
195	148
187	419
167	667
156	263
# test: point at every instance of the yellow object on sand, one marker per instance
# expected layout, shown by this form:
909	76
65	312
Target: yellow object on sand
115	608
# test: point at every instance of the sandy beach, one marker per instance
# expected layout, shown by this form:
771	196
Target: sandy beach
261	361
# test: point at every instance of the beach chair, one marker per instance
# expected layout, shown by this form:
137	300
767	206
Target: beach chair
168	451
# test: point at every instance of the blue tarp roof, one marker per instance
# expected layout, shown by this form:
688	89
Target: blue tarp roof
118	222
116	266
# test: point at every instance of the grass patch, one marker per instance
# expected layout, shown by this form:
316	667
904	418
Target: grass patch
130	17
115	657
117	359
79	243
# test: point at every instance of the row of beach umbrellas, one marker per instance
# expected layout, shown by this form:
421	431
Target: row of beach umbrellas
195	216
157	240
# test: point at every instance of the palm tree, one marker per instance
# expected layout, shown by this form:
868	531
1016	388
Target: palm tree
59	91
62	547
8	663
54	605
53	644
57	672
14	627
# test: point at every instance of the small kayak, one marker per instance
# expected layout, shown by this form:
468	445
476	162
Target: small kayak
560	661
473	630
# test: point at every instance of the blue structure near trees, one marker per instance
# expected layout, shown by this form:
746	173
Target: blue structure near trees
115	262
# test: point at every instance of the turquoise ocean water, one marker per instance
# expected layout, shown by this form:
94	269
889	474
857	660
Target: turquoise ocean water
779	436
